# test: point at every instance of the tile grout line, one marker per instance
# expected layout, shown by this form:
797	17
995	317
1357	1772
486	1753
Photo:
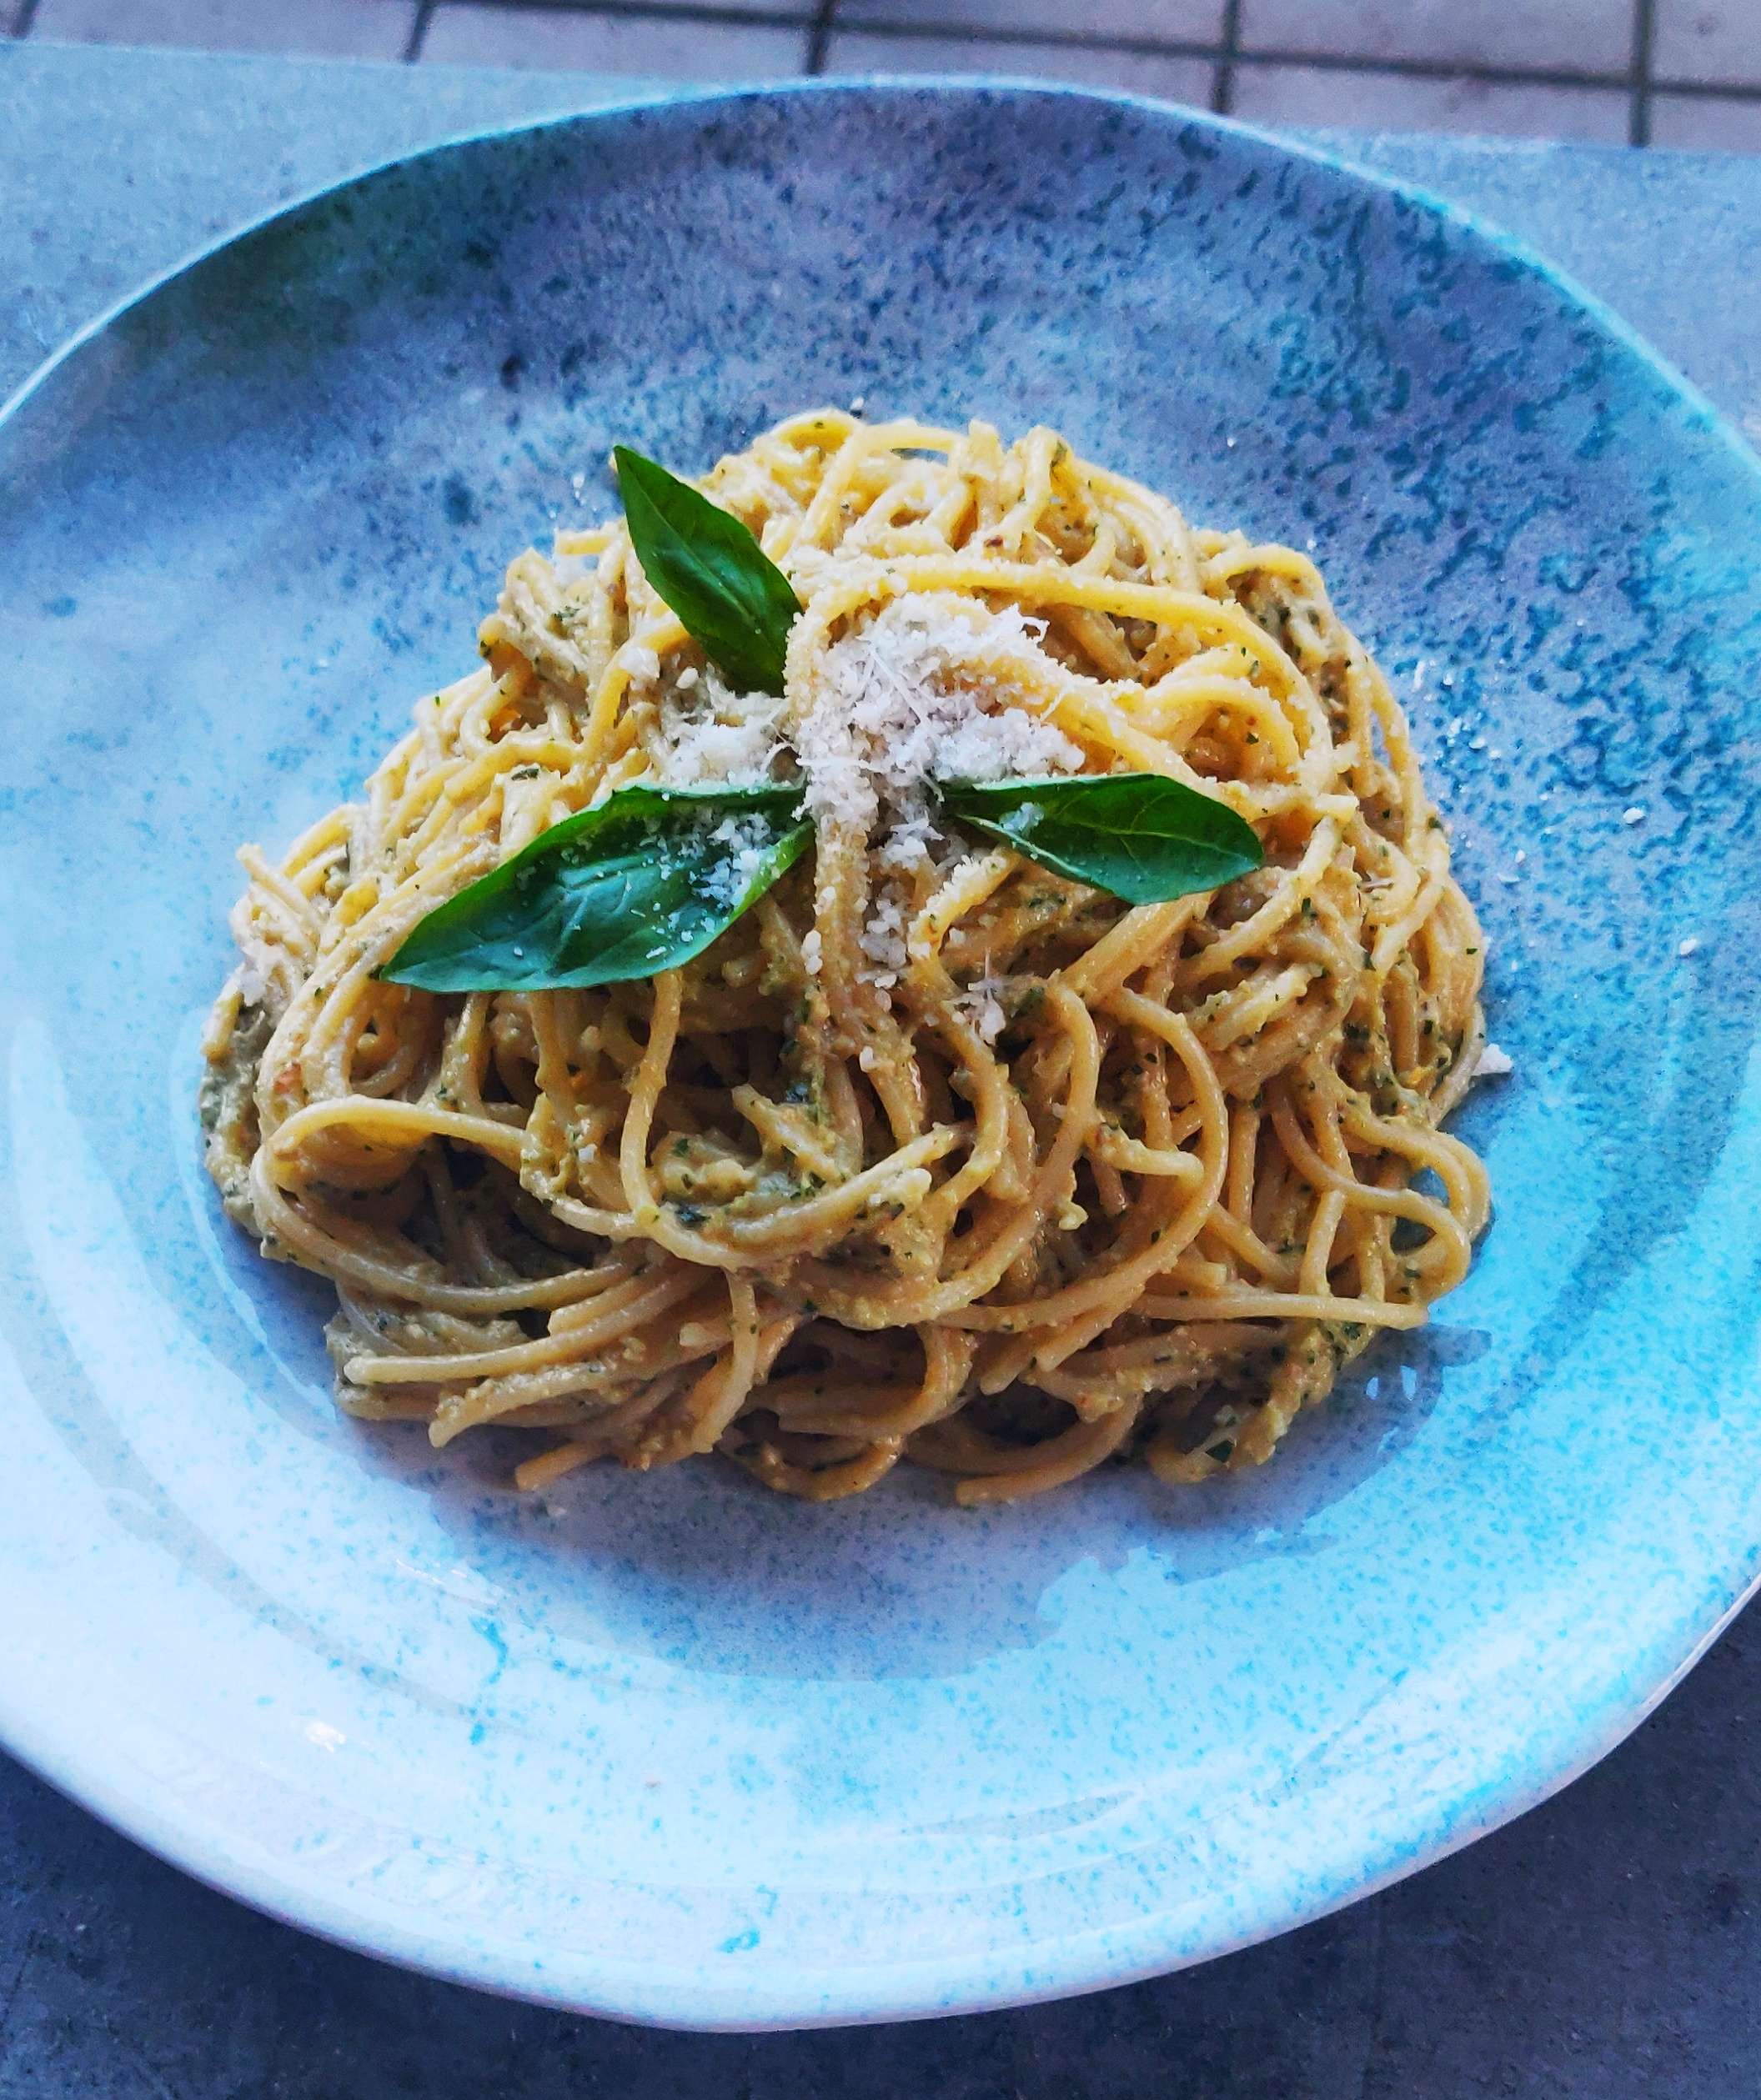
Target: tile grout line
1178	47
1708	90
1222	81
1644	28
699	11
1434	69
1225	55
829	14
419	32
818	36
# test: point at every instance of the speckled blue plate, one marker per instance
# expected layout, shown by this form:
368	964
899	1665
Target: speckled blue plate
669	1747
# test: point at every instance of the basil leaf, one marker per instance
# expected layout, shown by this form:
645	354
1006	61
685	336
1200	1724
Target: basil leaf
1143	837
641	883
732	598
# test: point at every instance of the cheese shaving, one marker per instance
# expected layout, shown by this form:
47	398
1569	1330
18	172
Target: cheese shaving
713	736
747	842
912	696
981	1001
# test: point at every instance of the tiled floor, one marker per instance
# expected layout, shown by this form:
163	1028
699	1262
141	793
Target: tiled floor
1669	72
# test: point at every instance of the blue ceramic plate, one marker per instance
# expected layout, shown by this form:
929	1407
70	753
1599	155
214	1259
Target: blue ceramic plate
669	1747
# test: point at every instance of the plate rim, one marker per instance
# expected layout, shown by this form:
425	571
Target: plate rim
657	1994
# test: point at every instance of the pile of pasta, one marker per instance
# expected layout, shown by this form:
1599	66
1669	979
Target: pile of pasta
1065	1180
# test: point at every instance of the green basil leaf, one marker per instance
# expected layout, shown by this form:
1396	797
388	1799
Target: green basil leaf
641	883
1143	837
732	598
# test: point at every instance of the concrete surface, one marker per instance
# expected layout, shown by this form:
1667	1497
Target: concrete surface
1675	72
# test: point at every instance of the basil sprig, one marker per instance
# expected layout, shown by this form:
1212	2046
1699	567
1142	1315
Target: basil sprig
641	883
1139	836
646	880
733	599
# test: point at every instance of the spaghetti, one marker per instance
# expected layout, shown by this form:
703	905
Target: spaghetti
934	1153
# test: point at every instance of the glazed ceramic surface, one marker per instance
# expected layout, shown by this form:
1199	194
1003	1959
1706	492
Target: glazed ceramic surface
667	1747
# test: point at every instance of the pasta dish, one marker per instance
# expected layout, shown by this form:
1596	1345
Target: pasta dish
923	954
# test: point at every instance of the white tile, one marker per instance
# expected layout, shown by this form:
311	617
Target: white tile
667	49
1581	36
1148	21
1716	123
320	29
1715	41
1373	101
1187	80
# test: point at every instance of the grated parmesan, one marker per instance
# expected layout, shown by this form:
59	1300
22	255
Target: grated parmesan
1493	1063
250	978
883	937
919	692
711	735
748	842
983	1006
901	701
910	843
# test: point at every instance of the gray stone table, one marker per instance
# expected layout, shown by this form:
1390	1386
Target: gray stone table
1606	1947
